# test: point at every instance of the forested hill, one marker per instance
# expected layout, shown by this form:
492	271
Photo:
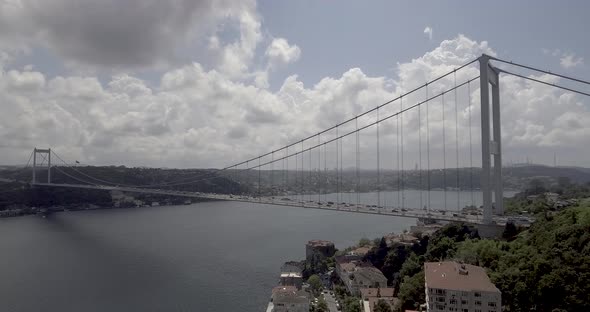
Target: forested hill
15	190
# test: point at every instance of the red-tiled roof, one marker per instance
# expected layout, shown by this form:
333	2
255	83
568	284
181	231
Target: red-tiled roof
446	275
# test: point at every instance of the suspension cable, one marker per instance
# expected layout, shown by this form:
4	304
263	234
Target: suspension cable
545	83
397	114
539	70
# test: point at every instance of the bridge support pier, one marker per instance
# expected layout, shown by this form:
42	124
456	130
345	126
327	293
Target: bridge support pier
490	145
41	152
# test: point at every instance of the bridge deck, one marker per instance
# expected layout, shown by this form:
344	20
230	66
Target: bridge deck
353	208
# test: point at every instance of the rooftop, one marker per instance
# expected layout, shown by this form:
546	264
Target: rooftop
360	251
289	294
374	292
370	273
319	242
457	276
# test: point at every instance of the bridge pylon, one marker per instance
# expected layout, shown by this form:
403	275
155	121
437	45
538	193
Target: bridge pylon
491	140
42	152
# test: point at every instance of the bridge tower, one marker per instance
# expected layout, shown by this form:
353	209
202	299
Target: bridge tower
491	140
42	152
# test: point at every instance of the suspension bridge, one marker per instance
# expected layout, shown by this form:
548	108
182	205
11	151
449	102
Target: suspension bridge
328	169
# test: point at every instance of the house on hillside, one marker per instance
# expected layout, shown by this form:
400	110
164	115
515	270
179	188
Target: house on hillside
453	286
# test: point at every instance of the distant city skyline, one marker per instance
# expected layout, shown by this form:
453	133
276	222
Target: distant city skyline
209	83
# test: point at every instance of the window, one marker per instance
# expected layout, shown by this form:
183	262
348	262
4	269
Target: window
465	310
440	307
440	292
477	302
491	304
476	294
453	301
463	301
440	299
477	310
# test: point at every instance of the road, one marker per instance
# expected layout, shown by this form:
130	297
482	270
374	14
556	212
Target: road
331	301
347	207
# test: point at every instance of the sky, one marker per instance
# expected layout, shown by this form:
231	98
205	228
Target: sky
208	83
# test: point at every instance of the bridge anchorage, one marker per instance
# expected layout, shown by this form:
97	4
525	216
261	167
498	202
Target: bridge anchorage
325	170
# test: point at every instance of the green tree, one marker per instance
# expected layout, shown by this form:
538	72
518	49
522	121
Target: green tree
322	305
351	304
510	231
382	306
364	242
315	283
411	293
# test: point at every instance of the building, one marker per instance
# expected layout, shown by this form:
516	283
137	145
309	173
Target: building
360	251
319	249
456	287
291	275
356	275
291	279
370	297
289	299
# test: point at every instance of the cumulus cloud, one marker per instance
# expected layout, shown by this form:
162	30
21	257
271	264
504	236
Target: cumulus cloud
280	52
569	60
198	117
136	34
428	32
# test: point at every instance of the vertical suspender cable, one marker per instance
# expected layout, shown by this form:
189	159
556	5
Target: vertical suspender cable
248	182
287	170
341	170
318	174
378	165
272	173
325	179
457	141
420	153
358	178
397	149
402	149
310	175
444	151
427	150
301	177
259	194
337	167
470	147
297	184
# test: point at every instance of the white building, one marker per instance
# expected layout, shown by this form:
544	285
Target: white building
456	287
